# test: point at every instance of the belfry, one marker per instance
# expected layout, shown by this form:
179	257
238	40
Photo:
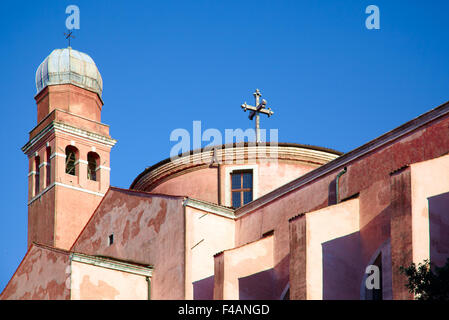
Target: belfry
68	150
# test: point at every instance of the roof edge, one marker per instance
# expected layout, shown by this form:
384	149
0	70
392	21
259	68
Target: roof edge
233	145
388	137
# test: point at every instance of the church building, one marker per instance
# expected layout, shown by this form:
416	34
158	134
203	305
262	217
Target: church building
238	221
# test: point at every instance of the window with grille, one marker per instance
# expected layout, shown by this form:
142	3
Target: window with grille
241	187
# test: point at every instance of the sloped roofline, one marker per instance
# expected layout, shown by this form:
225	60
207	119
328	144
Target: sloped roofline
351	156
111	188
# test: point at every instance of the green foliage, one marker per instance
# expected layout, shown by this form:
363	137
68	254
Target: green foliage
427	281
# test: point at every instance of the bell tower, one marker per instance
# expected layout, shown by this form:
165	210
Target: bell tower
68	150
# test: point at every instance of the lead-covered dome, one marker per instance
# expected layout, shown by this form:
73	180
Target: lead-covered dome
69	66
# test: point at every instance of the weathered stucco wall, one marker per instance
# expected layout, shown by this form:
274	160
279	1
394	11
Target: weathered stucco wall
43	274
147	228
89	282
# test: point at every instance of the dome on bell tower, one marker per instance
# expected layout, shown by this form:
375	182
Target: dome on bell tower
67	65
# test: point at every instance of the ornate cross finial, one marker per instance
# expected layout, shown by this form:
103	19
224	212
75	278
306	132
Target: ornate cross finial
259	108
69	35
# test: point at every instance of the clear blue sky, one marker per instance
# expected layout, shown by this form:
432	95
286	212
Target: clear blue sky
330	81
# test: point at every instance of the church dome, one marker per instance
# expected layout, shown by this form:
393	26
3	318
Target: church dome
67	65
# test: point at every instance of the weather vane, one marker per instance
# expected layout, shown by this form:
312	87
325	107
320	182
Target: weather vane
69	35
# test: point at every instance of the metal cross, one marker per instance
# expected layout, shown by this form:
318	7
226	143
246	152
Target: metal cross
259	108
69	35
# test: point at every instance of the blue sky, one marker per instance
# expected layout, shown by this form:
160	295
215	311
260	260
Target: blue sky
330	81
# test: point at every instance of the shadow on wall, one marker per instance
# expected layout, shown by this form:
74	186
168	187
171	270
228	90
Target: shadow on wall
342	271
204	289
439	228
281	278
258	286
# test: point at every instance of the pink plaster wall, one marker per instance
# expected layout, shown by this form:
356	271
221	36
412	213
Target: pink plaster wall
338	266
41	222
428	179
147	228
200	184
73	210
439	228
42	275
246	271
206	234
90	282
70	98
274	175
203	183
63	116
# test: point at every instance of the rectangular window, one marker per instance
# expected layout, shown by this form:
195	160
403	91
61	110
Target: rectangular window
241	187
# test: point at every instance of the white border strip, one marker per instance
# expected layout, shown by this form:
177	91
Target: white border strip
58	155
32	173
60	127
112	264
81	161
43	164
66	186
210	208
